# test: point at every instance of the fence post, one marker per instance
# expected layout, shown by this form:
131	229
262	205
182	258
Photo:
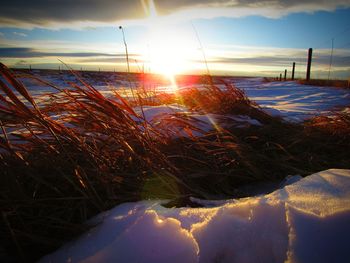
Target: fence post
280	76
293	70
285	75
309	59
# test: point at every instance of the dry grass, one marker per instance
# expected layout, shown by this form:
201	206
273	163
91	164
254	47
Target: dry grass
57	172
81	153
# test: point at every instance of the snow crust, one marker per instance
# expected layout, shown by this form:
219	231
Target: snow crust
306	221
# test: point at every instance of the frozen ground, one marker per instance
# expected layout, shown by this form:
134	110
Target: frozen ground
306	221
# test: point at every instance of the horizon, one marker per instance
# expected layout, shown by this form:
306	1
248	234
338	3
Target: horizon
258	38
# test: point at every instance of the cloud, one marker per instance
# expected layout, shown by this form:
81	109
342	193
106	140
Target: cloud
321	60
258	60
43	13
254	4
94	12
20	34
103	60
21	62
341	57
22	52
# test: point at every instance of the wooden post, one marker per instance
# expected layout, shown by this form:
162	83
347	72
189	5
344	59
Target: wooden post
331	60
281	77
309	59
30	67
285	75
293	70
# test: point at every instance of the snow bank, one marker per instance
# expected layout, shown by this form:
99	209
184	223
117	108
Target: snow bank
307	221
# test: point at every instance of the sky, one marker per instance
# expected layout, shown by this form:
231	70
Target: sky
226	37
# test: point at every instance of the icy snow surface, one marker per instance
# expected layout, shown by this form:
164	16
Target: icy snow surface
307	221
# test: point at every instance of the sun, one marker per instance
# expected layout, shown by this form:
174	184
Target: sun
168	48
168	52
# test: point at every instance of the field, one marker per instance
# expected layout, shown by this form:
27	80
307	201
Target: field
74	144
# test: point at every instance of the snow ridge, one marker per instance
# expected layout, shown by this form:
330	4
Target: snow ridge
306	221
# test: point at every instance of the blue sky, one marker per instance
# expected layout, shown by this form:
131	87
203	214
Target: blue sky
253	43
300	30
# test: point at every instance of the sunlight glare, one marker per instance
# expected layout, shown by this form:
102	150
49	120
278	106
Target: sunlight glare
149	8
168	51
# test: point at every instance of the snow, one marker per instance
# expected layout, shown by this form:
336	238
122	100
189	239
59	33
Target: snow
202	123
293	101
152	112
306	221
